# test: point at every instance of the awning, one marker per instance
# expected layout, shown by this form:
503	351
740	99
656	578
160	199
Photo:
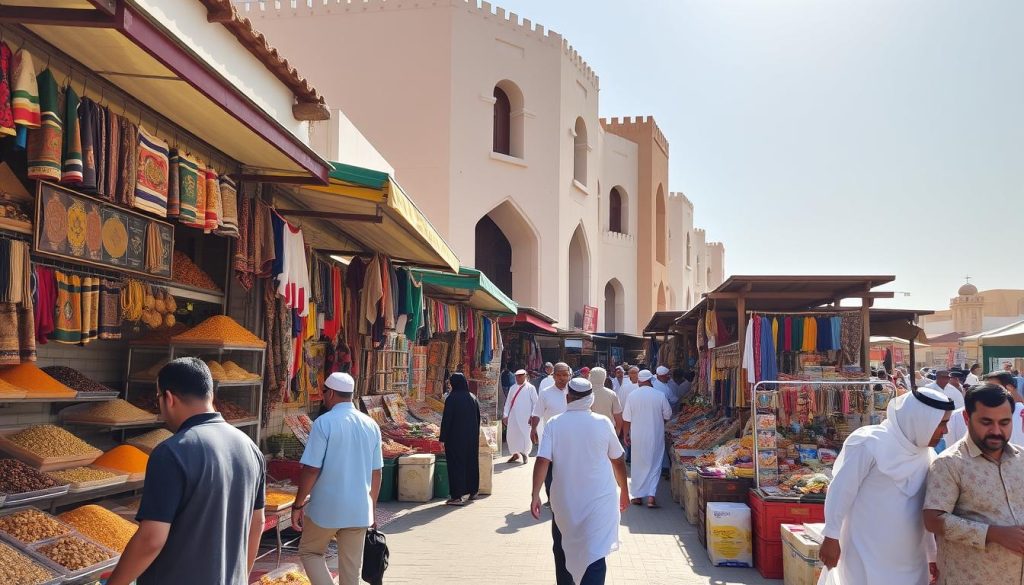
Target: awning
529	317
662	322
173	57
469	286
372	213
1009	335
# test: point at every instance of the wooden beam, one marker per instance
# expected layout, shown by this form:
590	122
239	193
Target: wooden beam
364	217
280	179
311	111
56	17
795	296
108	7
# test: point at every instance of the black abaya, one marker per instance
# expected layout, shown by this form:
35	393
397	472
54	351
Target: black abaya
460	433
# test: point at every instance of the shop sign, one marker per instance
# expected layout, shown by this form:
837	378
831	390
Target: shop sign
589	319
84	230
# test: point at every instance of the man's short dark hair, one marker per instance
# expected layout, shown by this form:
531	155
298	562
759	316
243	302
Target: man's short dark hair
1003	378
990	395
186	377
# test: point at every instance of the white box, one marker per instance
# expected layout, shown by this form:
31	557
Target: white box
486	473
729	535
416	478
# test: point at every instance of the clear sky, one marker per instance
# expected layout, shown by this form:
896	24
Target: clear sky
833	136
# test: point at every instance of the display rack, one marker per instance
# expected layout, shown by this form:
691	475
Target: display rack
386	370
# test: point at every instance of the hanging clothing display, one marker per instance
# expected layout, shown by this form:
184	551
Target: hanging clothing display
87	132
45	303
213	203
228	224
110	310
293	282
68	322
6	87
71	173
25	98
188	190
151	180
45	143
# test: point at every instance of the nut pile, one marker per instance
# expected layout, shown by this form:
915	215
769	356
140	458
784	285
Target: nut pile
74	554
32	525
18	569
117	410
289	578
17	478
278	498
149	441
101	525
51	441
74	379
185	271
220	329
230	410
81	475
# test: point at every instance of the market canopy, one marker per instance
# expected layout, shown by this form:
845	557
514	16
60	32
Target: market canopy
362	211
662	322
195	63
1006	336
530	317
469	286
899	323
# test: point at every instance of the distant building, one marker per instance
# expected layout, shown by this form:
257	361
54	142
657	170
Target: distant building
492	124
971	311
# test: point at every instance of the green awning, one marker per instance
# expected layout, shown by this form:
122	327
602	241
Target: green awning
469	287
359	175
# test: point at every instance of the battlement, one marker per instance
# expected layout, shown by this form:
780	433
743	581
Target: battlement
290	8
634	126
716	245
680	195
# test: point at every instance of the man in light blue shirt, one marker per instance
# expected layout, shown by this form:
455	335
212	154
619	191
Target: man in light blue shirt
341	470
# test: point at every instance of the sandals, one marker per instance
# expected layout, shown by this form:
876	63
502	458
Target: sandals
458	502
513	458
636	501
652	505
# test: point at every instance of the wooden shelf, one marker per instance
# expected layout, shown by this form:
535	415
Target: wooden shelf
196	294
106	398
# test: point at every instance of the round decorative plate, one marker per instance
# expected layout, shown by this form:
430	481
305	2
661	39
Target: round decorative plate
76	227
115	237
56	221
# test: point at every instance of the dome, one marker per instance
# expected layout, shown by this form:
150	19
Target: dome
967	290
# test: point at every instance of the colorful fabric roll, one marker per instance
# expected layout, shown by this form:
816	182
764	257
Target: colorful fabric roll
200	196
45	143
229	208
72	172
188	189
90	309
213	201
173	202
153	163
67	326
6	88
25	98
110	310
129	147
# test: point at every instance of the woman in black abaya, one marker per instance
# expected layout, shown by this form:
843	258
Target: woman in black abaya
460	433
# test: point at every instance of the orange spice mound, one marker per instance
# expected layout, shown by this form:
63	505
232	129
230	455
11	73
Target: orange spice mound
8	390
36	382
220	329
124	458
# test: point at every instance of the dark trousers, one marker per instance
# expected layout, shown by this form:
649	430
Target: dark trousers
595	574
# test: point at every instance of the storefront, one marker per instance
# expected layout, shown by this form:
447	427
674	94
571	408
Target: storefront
999	349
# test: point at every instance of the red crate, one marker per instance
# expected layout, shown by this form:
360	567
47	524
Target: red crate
768	558
767	516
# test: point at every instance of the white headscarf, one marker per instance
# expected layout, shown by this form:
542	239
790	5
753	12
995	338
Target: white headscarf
598	377
900	444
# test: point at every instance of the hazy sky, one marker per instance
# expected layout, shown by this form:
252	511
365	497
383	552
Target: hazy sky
855	137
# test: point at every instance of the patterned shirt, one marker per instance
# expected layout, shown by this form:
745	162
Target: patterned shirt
975	492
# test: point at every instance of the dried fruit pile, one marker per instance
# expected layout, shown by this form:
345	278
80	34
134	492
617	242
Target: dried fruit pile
18	569
230	410
101	525
74	554
51	441
31	525
74	379
118	411
219	329
186	272
18	478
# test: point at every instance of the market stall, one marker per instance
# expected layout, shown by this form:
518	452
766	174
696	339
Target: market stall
998	347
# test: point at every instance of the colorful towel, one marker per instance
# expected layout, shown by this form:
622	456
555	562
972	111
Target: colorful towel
200	196
72	172
229	205
110	310
6	111
87	134
25	99
45	143
67	326
188	189
173	202
213	202
153	174
90	308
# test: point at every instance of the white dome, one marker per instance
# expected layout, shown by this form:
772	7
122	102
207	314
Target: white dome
967	290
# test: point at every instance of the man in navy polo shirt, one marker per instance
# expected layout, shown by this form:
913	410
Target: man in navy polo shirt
201	514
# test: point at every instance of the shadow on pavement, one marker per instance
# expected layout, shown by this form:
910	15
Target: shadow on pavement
514	522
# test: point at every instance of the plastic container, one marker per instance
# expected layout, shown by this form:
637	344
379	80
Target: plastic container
442	489
800	563
416	478
769	515
86	575
486	473
388	481
768	558
35	496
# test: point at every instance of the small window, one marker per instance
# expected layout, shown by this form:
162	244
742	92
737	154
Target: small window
502	122
580	152
616	212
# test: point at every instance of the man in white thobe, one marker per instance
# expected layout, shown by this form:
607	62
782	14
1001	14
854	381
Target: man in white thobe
942	385
522	398
617	379
631	383
549	379
662	384
957	427
551	402
586	505
644	428
874	531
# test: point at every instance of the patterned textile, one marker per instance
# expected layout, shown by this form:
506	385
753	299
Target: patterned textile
68	323
229	207
10	349
113	155
44	144
188	189
153	173
852	336
129	146
87	132
201	196
173	202
242	261
17	323
110	310
213	201
6	112
25	99
90	308
45	302
263	239
72	172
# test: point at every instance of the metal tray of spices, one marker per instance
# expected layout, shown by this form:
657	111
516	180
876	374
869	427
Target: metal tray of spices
69	529
35	496
86	575
58	572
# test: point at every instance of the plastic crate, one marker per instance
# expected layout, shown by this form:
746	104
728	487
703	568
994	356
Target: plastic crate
768	516
768	558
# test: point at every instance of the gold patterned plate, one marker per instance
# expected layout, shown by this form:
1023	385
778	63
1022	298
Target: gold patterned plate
115	237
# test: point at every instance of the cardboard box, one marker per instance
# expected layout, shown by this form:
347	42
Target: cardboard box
800	564
729	534
416	478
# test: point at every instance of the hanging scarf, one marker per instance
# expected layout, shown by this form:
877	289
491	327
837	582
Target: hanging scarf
188	189
25	99
45	144
72	172
87	134
129	169
6	111
45	301
68	323
173	200
113	154
153	174
90	309
241	262
213	201
200	196
229	208
110	310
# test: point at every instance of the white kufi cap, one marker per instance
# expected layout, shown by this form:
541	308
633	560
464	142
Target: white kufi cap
662	371
645	376
341	382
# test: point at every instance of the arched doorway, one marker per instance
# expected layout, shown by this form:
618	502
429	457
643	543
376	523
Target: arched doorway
494	254
508	252
614	306
579	276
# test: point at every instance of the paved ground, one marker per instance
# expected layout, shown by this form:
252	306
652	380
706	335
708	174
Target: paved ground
495	540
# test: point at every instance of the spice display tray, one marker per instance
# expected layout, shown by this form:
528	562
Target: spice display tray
131	477
98	396
44	463
291	489
86	575
72	415
280	572
22	545
43	562
86	486
35	496
215	345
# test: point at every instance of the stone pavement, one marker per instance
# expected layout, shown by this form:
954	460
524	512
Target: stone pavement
496	541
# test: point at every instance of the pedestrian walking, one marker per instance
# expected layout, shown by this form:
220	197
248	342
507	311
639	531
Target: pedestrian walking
516	417
547	379
460	433
644	428
341	472
606	402
551	402
618	378
208	475
584	500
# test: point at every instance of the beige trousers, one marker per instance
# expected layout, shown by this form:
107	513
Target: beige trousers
313	545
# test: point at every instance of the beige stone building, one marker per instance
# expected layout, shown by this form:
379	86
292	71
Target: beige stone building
970	312
491	123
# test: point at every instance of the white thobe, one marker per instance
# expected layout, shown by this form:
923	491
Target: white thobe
550	402
665	389
956	428
879	528
546	383
646	410
972	380
615	385
624	391
518	409
950	390
584	495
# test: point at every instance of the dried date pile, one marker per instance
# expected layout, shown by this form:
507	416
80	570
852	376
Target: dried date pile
17	478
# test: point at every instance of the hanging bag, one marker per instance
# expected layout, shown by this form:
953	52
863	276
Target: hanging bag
829	577
375	557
